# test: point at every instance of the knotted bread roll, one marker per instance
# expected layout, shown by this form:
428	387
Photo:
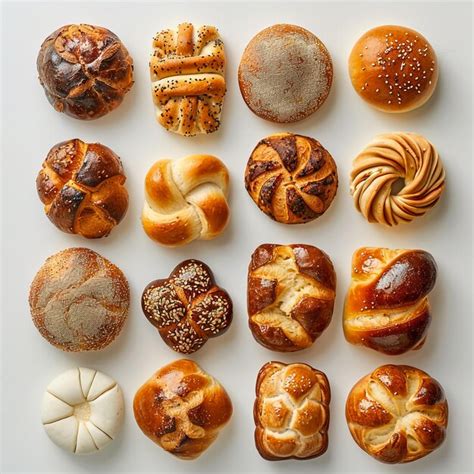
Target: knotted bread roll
291	411
186	199
397	414
182	408
387	307
187	74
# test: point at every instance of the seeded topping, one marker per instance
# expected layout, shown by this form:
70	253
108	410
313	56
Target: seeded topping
194	278
212	313
185	339
163	306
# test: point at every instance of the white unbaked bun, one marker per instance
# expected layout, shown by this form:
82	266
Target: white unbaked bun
82	410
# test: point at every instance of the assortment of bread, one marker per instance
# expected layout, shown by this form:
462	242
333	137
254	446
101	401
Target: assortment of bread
79	300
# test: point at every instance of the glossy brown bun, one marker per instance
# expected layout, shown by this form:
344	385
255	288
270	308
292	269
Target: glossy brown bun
85	70
393	68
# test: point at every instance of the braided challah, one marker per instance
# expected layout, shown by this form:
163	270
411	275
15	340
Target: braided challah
390	158
290	295
387	307
397	414
82	188
186	199
182	408
291	411
187	74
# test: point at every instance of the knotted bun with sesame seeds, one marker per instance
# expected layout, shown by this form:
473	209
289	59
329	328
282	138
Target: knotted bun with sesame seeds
393	68
187	308
187	73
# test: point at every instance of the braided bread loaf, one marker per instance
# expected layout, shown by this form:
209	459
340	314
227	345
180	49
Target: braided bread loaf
186	199
397	414
291	411
187	74
387	307
82	188
290	295
387	159
182	408
291	178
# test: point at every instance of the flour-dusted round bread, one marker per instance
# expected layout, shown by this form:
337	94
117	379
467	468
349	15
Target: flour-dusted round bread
182	408
187	74
185	200
292	178
85	70
290	295
188	307
291	411
79	300
391	158
387	306
285	73
393	68
82	410
82	187
397	414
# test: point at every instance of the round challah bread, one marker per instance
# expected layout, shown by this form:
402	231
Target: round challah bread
187	308
82	410
82	188
85	70
386	306
182	408
79	300
187	74
290	295
186	199
389	158
291	411
291	178
397	414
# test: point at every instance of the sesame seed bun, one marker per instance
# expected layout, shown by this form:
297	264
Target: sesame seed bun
393	68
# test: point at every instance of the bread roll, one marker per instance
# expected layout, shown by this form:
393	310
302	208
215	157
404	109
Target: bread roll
187	308
182	409
292	178
185	200
82	188
386	306
187	73
290	295
291	411
82	410
285	73
397	414
85	70
393	68
79	300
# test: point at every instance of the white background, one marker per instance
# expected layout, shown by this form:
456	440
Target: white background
343	125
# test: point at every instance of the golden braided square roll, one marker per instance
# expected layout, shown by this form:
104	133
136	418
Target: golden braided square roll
290	295
291	411
182	408
187	73
386	306
397	413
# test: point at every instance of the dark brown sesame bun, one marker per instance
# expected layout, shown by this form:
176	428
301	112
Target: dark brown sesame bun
393	68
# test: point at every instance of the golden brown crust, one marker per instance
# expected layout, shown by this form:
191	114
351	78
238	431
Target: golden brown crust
291	411
79	300
290	295
393	68
285	73
386	306
187	73
397	414
82	188
292	178
85	70
186	199
182	408
187	308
